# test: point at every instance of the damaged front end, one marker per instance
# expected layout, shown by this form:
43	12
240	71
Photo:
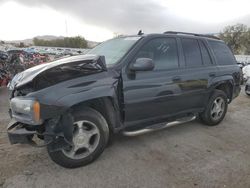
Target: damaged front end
55	130
39	102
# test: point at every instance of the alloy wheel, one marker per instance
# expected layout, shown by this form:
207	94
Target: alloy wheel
86	137
218	108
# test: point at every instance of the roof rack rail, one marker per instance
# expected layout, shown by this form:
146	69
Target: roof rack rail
194	34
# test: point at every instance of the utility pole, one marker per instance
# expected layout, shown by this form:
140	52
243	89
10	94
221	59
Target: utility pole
66	28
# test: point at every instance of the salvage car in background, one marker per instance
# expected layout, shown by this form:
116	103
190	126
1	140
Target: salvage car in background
246	76
133	84
3	56
246	72
247	87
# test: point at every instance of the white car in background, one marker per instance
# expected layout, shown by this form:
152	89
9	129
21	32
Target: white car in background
246	77
247	87
246	72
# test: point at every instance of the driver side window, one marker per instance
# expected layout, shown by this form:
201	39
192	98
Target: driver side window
163	52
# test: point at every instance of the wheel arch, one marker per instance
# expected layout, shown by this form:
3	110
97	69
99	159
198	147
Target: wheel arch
107	106
227	86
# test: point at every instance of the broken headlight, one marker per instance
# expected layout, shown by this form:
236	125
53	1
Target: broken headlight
26	110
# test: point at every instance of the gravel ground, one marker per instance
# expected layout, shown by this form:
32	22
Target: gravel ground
187	155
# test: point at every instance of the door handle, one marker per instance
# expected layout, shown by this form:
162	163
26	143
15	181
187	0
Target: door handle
212	74
176	79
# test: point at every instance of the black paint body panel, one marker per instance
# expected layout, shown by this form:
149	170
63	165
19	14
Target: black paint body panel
146	97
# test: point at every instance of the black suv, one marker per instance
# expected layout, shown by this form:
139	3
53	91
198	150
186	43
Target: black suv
129	84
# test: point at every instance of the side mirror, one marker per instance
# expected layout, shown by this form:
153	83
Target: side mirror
142	64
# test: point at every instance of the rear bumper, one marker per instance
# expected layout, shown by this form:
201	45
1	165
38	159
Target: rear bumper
18	134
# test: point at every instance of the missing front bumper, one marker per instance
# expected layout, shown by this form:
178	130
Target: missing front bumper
18	134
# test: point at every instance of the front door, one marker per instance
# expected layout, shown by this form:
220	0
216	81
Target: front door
150	96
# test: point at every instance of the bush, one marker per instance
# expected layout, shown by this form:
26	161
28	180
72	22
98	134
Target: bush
67	42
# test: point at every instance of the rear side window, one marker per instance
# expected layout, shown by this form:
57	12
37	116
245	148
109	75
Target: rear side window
192	52
223	54
205	54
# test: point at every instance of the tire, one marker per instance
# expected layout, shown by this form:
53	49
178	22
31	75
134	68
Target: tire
83	122
211	115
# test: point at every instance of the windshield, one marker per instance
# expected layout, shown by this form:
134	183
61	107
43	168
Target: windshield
114	49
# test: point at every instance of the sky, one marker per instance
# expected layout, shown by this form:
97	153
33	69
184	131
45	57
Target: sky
99	20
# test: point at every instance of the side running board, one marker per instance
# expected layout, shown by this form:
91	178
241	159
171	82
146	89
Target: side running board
158	126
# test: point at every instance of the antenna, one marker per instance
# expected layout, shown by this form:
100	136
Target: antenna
140	32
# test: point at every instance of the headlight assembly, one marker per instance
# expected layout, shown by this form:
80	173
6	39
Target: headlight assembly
26	110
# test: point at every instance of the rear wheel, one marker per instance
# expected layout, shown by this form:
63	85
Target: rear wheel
216	109
90	137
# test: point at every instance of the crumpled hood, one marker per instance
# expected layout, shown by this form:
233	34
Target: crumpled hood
57	71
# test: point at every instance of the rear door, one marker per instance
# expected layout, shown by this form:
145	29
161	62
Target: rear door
198	71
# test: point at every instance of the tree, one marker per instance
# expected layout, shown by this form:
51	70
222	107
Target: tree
70	42
237	37
246	43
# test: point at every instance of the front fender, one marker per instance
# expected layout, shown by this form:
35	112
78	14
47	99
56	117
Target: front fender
86	95
60	97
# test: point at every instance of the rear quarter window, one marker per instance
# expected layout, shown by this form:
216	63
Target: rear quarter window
222	52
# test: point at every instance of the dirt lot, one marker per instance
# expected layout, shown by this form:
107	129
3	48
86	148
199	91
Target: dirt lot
187	155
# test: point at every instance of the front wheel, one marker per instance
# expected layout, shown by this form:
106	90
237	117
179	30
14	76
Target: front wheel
216	109
90	137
